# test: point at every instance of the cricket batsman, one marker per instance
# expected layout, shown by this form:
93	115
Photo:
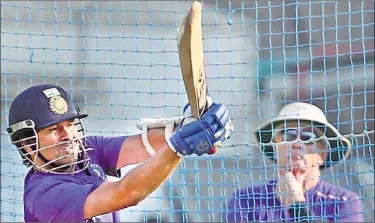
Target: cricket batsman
67	180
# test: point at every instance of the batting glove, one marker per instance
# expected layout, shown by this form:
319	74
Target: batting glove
201	136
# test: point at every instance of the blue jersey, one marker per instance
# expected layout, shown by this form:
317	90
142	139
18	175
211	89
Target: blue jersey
327	203
52	197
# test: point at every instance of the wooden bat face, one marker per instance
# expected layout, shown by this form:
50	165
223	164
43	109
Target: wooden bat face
201	91
190	46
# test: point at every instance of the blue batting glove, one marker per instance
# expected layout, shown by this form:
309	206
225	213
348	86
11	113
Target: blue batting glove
201	136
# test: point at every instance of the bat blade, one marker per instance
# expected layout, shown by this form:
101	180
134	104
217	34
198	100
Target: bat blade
190	45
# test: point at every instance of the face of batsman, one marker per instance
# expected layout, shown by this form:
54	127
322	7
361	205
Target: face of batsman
298	145
60	142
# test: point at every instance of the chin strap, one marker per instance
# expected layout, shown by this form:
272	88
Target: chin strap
169	124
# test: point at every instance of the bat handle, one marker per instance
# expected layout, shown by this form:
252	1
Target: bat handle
206	105
201	112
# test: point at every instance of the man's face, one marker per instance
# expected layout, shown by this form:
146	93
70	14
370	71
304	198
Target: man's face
296	144
58	134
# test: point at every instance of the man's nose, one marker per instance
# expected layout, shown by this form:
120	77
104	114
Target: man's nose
66	134
297	146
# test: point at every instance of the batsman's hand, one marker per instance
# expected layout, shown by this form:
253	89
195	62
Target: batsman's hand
203	135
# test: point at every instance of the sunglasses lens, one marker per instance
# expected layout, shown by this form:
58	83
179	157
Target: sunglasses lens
307	136
291	135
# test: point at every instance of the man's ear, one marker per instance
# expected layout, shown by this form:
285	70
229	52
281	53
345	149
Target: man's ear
24	144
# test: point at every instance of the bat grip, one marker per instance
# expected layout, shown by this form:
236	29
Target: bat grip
206	106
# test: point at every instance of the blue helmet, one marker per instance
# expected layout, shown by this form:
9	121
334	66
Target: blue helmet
45	105
38	107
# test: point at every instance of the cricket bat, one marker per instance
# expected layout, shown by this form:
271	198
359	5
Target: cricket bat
190	46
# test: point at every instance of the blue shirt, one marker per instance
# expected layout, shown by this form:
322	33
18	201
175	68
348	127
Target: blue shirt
326	201
50	197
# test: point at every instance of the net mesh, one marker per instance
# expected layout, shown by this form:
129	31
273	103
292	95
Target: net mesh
119	61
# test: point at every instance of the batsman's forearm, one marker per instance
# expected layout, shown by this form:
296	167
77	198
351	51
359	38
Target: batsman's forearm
134	186
148	176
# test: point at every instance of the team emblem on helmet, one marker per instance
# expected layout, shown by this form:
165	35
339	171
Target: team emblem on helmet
58	105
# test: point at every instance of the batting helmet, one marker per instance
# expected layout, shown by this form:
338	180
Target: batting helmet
36	108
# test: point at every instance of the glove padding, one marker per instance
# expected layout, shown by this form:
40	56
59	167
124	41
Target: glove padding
146	124
201	136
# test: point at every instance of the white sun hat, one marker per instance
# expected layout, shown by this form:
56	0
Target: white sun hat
339	146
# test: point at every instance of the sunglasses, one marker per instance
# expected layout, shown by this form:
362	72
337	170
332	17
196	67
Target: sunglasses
293	134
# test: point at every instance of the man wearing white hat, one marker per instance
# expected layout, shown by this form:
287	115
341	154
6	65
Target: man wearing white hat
302	142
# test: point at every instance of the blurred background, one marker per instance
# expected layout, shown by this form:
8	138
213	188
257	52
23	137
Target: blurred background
119	60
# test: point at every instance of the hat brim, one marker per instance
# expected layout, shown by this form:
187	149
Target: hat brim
61	119
340	146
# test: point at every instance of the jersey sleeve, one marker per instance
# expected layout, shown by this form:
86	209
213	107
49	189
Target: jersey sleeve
107	150
59	201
